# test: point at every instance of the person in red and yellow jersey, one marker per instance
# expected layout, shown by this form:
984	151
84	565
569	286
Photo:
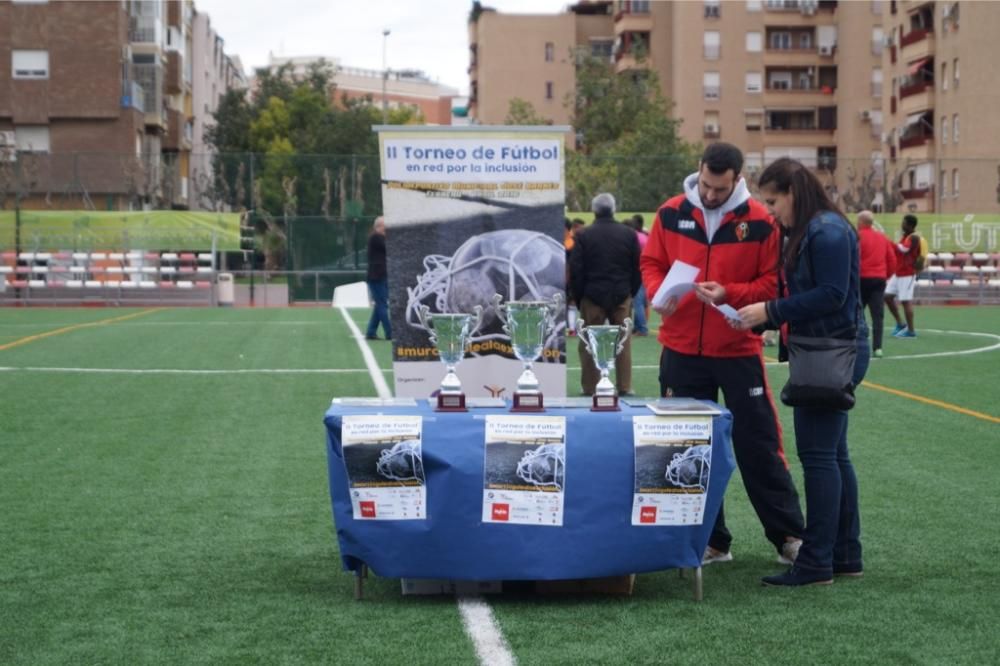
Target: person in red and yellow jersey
901	284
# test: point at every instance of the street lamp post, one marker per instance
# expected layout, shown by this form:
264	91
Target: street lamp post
385	77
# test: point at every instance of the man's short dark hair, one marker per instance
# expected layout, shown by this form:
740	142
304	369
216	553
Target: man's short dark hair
910	220
638	222
720	157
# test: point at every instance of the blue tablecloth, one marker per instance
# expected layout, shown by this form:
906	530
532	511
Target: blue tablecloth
597	537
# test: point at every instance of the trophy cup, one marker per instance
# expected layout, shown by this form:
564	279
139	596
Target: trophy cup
528	323
450	333
604	343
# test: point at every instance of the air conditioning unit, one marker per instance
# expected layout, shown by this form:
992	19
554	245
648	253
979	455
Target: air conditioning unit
826	50
866	115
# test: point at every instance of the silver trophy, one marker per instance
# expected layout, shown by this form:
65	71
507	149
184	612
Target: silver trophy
450	334
604	344
528	324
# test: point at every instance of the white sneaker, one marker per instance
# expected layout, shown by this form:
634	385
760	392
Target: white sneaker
789	552
712	555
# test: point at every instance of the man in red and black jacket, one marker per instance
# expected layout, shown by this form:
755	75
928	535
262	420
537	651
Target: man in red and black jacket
716	227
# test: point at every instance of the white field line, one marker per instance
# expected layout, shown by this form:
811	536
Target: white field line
477	617
378	378
179	371
180	323
482	628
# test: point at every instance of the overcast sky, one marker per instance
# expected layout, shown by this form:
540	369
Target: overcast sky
431	35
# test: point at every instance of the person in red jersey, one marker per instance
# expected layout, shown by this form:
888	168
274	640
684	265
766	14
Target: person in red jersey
732	239
878	264
902	283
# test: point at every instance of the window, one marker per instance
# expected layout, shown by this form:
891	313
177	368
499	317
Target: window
548	90
878	38
753	119
712	8
29	64
711	44
550	52
954	72
601	48
944	183
32	138
877	82
877	7
944	76
954	182
711	128
944	130
753	5
754	82
711	84
805	40
780	40
754	42
954	128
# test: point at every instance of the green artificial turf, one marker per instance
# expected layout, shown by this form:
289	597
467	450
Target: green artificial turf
185	518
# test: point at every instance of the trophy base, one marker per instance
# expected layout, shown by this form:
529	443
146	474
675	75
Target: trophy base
605	403
451	402
528	402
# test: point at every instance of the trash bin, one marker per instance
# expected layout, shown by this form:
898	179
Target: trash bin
224	290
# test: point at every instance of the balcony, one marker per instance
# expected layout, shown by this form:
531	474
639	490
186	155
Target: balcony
175	126
174	81
916	140
791	57
150	79
915	89
914	36
918	193
633	22
795	96
145	30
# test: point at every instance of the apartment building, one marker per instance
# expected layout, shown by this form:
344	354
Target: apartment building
943	133
215	72
96	103
532	57
399	88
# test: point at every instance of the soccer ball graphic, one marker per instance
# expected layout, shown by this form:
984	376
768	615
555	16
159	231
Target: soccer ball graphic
402	462
516	263
691	468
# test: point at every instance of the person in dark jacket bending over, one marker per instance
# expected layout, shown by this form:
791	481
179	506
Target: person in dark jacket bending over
604	276
716	226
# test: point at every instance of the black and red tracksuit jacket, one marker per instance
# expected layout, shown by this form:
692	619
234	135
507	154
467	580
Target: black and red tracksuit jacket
742	257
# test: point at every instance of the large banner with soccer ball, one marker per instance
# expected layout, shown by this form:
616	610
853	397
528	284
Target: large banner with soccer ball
474	221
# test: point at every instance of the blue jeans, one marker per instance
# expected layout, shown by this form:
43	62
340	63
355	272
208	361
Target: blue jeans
639	311
379	290
832	536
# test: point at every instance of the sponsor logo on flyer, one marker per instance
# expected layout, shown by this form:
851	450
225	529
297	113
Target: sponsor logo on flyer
647	514
367	509
501	512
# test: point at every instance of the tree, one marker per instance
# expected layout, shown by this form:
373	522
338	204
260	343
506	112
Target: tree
522	112
627	141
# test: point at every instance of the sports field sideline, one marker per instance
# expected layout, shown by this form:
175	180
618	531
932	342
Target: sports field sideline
164	491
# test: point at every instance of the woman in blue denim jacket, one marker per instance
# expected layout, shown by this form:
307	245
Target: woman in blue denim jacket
821	267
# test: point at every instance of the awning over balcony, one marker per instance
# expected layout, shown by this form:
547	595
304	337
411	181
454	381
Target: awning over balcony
913	119
916	67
